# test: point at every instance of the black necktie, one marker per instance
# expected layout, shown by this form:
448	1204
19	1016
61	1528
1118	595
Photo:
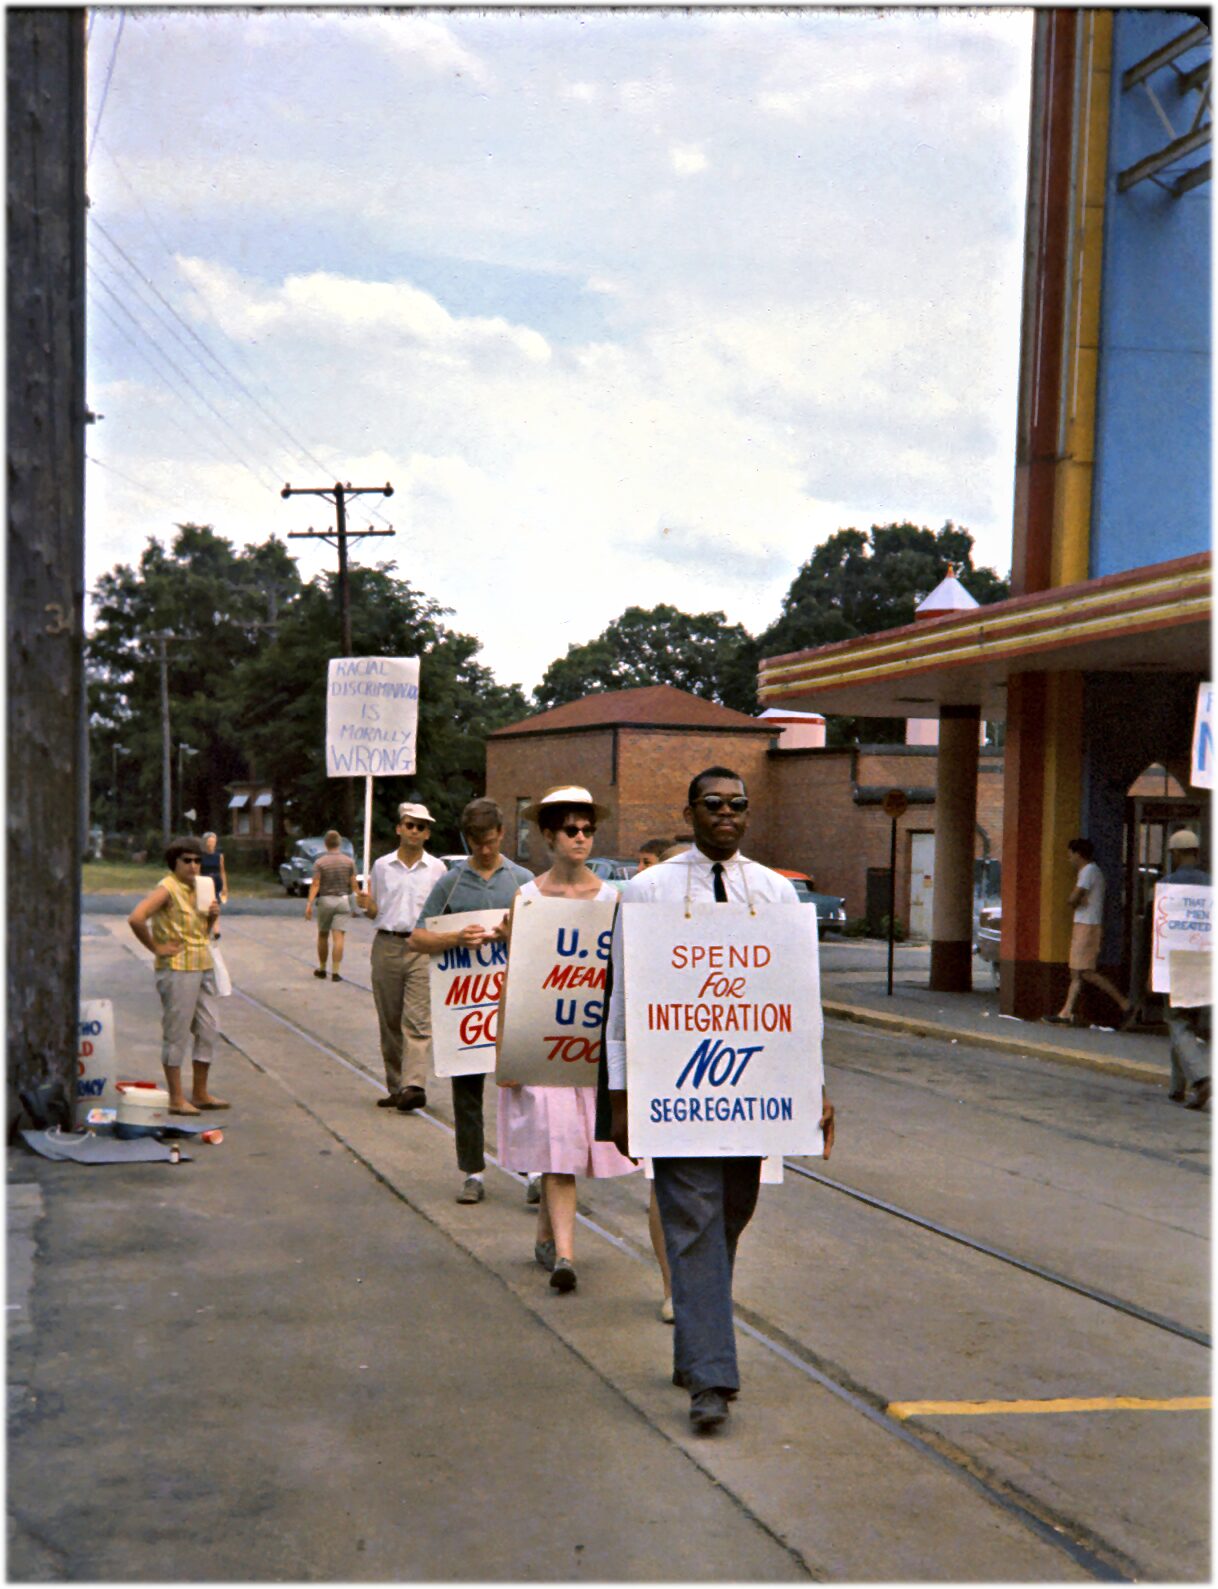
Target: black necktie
720	886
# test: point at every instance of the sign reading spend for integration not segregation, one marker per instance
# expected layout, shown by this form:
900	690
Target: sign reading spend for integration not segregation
1183	918
723	1029
372	713
554	1004
464	986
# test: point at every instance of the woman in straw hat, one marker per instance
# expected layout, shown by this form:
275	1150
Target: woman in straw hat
553	1129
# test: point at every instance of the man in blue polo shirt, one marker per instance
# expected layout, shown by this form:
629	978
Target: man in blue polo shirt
486	880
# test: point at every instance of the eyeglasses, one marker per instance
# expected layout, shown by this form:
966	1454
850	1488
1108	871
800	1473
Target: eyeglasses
713	803
191	860
574	831
417	827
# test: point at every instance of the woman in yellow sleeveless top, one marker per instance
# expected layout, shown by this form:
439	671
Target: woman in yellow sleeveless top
168	923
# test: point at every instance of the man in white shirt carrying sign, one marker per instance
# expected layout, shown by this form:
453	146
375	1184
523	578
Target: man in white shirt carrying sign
399	884
705	1202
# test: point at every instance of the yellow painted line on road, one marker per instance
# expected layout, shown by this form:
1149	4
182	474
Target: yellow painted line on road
972	1409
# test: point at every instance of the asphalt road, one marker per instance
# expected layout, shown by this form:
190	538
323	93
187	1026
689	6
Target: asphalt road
972	1345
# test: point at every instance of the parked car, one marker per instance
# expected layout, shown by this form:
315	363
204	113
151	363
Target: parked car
830	908
612	870
987	936
296	873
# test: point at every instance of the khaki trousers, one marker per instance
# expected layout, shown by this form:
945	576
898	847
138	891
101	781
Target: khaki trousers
400	991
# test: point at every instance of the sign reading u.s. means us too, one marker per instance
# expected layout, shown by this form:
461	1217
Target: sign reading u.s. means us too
553	1007
723	1029
372	715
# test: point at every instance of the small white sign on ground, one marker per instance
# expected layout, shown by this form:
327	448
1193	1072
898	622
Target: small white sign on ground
464	986
553	1008
95	1077
723	1029
1183	918
372	714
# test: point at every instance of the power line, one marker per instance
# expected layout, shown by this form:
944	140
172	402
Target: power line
122	23
297	445
131	481
102	310
294	450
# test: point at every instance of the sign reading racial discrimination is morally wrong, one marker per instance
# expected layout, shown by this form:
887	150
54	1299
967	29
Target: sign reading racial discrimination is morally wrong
723	1029
554	1005
464	985
1183	918
372	714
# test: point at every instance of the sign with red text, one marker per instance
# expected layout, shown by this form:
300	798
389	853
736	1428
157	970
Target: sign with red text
723	1029
554	1006
95	1073
465	984
372	712
1183	918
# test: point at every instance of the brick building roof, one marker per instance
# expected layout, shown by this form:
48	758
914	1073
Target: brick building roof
651	706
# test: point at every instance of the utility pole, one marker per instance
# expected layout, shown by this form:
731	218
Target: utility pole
340	495
46	417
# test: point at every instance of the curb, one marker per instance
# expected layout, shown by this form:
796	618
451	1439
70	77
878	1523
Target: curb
1129	1069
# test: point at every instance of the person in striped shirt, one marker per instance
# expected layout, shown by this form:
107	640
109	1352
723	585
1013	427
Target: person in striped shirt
169	924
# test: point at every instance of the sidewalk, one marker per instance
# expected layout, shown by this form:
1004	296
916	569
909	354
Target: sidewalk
861	995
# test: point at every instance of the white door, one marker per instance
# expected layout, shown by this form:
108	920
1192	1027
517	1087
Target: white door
921	883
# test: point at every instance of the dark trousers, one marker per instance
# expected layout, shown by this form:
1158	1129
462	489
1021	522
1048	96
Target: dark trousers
467	1117
704	1205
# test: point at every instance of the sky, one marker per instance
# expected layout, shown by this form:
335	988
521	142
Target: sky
628	307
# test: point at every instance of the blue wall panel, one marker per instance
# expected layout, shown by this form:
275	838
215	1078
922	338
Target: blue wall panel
1151	498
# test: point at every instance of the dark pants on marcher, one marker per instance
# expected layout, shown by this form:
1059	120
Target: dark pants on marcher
704	1205
467	1117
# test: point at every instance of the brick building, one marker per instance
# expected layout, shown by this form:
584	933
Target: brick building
817	810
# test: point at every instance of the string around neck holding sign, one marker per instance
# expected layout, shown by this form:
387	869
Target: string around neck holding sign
744	878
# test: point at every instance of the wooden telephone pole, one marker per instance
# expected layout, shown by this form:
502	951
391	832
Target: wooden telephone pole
45	386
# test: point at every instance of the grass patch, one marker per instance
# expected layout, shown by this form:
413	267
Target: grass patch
133	877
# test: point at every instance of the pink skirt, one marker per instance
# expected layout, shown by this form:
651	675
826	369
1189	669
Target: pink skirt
552	1129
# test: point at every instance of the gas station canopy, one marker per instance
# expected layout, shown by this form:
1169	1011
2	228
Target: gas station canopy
1143	621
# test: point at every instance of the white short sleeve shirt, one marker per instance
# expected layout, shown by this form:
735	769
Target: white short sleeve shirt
1091	912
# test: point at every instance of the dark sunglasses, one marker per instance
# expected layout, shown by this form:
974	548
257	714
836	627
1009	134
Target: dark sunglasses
574	831
714	803
418	827
195	860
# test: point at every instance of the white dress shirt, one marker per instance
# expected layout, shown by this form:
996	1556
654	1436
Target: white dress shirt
398	890
689	874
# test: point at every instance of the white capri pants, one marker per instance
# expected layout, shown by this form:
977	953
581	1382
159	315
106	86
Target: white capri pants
188	1011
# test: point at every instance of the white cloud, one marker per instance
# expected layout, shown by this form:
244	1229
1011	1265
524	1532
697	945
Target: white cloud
687	159
413	39
327	304
582	93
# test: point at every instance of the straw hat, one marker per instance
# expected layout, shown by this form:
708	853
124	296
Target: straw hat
565	794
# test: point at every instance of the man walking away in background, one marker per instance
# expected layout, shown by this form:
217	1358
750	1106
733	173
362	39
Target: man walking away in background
333	884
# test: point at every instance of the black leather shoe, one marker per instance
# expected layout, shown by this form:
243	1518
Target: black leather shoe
1201	1095
707	1409
411	1098
682	1383
389	1101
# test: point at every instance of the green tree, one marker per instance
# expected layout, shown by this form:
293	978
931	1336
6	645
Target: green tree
858	584
698	652
214	603
277	700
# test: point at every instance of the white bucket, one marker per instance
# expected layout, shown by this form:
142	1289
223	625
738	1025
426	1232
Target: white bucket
143	1109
